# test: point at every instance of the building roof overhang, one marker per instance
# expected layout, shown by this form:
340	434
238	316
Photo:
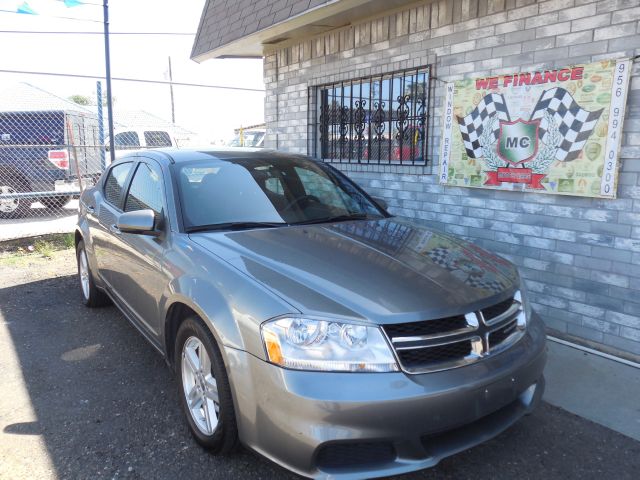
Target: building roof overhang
323	18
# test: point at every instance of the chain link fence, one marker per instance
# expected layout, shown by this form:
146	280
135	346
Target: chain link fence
49	148
54	146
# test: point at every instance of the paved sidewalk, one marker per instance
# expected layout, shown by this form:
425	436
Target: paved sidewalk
596	388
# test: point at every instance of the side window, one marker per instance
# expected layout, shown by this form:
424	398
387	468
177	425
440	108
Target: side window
157	139
146	190
323	188
115	182
274	185
126	140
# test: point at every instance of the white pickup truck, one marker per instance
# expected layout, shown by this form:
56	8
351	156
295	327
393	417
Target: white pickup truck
127	139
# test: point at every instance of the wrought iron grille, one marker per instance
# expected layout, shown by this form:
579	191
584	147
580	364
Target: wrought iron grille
380	119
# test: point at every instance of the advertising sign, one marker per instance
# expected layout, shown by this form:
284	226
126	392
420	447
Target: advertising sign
557	131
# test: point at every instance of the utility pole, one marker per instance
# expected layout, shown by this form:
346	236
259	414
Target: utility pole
107	61
173	110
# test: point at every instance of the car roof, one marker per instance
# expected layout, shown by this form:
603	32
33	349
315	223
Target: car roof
180	155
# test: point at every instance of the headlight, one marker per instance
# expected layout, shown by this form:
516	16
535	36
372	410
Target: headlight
309	344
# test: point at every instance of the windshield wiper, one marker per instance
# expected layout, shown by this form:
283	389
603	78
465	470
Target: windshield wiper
336	218
234	226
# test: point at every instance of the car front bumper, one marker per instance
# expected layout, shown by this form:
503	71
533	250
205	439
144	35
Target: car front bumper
364	425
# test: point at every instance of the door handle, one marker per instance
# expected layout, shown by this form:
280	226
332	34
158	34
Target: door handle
90	208
114	229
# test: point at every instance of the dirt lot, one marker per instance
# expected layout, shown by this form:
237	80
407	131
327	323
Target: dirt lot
84	396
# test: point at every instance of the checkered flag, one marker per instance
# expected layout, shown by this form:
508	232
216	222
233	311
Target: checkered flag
472	125
491	285
441	256
452	259
574	123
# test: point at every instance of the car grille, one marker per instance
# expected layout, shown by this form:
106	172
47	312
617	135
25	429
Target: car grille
450	342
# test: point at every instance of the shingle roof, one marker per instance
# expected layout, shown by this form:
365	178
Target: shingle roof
224	21
24	97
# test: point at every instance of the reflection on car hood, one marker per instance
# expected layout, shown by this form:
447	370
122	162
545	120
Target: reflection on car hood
384	270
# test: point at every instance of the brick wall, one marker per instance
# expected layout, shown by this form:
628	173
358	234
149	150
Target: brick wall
579	256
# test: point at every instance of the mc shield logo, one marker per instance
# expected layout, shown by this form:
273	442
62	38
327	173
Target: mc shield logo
518	141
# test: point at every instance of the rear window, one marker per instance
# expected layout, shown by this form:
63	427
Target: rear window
115	182
157	139
126	140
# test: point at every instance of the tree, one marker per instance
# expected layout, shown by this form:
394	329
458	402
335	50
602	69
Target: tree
90	100
81	100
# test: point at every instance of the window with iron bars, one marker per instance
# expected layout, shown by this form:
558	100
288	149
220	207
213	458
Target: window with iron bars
375	120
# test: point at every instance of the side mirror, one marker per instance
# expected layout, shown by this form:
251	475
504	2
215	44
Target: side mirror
142	222
381	203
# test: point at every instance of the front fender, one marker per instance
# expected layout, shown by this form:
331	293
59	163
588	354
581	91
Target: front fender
209	305
231	304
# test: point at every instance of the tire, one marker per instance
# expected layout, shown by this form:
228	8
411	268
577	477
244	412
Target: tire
18	207
92	296
55	203
219	434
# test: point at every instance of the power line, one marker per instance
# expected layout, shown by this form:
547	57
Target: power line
82	3
50	16
138	80
93	33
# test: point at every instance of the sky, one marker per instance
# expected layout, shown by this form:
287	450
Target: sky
213	113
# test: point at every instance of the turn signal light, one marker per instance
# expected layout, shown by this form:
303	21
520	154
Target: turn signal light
273	348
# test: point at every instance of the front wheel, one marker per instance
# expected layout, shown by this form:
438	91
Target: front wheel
205	394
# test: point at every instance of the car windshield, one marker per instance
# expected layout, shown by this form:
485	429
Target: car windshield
270	191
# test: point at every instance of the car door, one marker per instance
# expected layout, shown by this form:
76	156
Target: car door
137	276
104	215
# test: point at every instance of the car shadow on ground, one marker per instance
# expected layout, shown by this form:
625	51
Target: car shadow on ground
107	406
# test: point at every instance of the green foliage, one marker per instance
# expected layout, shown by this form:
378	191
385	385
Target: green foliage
68	240
81	100
44	248
546	156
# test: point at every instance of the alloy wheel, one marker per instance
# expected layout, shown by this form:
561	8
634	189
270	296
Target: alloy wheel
199	386
84	274
8	205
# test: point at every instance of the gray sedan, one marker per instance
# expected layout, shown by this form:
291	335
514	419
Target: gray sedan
304	321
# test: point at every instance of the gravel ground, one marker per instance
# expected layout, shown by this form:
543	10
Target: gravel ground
84	396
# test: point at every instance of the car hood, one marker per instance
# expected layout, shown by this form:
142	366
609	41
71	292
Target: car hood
383	271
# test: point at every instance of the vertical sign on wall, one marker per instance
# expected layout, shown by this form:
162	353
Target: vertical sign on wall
447	127
557	131
614	131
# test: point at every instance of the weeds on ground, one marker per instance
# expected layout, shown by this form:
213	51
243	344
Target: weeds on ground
44	248
11	253
68	240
